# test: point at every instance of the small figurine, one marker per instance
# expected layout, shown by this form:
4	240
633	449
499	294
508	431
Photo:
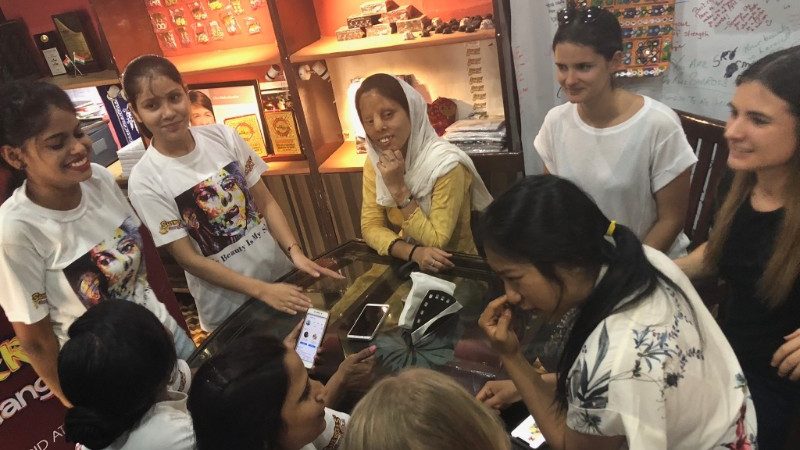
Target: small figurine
186	40
228	18
237	7
255	4
200	33
177	17
159	22
409	36
252	25
214	4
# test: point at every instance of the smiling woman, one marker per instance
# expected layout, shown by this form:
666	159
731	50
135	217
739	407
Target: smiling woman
68	236
421	183
755	243
201	188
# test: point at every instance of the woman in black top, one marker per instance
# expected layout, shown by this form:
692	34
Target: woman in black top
755	243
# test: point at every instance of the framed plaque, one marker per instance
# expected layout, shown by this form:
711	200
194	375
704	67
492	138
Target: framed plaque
237	104
78	39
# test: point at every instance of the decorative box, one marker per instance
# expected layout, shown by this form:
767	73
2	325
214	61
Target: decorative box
416	24
377	7
348	34
381	29
404	12
363	21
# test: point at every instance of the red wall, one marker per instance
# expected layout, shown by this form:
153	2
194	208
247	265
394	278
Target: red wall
36	14
332	14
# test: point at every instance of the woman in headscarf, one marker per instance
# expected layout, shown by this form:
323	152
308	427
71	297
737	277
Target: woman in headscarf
414	181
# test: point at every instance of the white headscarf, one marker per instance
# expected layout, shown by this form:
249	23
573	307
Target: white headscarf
428	157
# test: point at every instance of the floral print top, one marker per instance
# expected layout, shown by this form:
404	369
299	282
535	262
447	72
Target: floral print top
662	374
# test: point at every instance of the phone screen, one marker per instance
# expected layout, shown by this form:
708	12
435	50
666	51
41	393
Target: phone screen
369	320
311	336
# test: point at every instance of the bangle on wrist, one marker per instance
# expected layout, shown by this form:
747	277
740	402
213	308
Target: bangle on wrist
391	246
406	202
411	253
289	248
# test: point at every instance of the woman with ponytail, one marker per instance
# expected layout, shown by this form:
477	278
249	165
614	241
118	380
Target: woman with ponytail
645	365
117	370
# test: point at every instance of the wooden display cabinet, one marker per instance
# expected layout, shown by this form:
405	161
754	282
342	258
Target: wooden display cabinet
321	196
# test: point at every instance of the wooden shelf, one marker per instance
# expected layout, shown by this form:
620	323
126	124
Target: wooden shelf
89	80
344	159
256	55
287	168
329	47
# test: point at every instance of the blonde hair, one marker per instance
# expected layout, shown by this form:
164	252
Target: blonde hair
420	409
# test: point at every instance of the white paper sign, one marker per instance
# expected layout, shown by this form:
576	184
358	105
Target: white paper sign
54	61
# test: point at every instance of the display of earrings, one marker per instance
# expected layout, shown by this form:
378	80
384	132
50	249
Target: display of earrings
168	38
216	31
187	23
159	22
200	33
252	25
177	17
198	12
186	40
237	7
229	20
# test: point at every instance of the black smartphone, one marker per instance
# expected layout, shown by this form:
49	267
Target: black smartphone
366	325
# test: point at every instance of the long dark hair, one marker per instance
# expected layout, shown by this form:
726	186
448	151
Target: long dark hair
549	222
600	30
778	73
387	86
25	112
114	366
237	396
146	67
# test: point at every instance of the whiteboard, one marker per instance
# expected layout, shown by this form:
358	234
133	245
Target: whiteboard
714	41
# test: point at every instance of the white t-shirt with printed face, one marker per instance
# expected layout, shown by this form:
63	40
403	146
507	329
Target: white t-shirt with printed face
620	167
662	374
59	263
205	195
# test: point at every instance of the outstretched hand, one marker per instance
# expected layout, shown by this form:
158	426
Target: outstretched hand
304	264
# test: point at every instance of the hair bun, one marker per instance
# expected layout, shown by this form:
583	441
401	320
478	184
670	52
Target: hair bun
91	428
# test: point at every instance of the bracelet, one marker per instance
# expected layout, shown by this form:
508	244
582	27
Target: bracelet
289	248
389	251
407	202
411	254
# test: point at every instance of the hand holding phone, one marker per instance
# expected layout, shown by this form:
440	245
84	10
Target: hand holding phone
368	322
311	336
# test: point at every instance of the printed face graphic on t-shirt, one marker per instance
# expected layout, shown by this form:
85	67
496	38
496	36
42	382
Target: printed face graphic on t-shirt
110	269
224	203
218	211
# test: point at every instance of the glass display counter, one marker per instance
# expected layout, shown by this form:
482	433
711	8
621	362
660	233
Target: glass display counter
456	345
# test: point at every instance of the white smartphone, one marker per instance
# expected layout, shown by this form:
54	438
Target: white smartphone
368	322
311	336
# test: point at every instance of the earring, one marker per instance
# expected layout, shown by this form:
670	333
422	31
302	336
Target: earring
558	94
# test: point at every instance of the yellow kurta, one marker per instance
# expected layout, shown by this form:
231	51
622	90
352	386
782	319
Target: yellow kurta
446	227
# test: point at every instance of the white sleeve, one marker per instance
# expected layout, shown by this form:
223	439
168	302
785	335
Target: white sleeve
543	144
22	277
159	214
672	156
251	163
611	392
335	427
